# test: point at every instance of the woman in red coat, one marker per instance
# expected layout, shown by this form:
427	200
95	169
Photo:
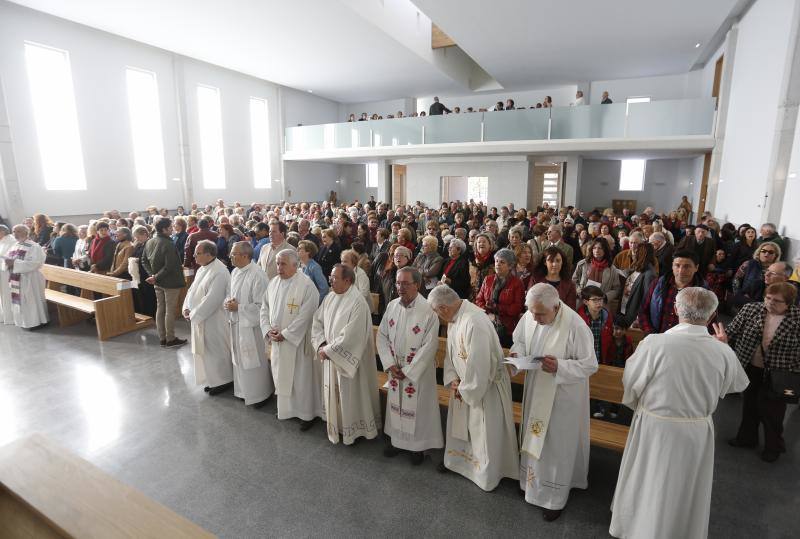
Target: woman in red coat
502	296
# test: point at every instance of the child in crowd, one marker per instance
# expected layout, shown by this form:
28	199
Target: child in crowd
719	277
600	321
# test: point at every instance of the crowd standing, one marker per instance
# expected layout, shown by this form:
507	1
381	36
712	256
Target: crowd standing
282	303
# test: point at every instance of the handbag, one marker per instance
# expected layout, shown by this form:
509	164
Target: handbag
784	386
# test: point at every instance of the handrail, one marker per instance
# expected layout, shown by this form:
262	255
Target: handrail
680	117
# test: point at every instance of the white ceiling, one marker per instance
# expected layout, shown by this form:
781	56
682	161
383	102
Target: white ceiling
325	46
530	43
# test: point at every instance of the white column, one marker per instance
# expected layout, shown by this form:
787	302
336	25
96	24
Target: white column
9	181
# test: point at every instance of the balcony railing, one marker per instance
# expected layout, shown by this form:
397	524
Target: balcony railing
683	117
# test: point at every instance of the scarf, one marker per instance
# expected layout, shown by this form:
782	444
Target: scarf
14	277
96	251
480	260
449	266
596	269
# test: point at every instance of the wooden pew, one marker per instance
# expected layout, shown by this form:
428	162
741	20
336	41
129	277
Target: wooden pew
605	384
114	314
47	492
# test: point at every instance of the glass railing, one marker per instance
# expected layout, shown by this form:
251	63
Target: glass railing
683	117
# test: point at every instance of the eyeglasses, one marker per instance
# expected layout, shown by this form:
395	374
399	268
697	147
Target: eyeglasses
404	283
770	299
768	252
595	300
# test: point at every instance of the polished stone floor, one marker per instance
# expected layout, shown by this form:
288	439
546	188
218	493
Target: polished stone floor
132	409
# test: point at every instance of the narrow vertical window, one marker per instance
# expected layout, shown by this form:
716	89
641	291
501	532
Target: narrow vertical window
56	117
212	157
145	117
372	175
259	143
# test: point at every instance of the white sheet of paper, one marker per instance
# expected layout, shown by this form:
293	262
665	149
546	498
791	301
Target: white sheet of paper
524	363
590	282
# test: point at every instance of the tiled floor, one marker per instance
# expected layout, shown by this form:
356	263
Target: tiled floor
132	409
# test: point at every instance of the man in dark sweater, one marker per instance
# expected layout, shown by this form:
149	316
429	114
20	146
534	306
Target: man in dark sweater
161	261
437	109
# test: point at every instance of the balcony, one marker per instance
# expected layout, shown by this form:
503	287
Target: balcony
667	125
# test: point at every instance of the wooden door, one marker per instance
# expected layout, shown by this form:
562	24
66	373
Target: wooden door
701	206
398	185
717	78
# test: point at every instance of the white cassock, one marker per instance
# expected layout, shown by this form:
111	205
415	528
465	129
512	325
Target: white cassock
267	257
343	324
26	284
554	432
211	344
252	377
480	442
674	382
6	310
362	283
289	305
408	338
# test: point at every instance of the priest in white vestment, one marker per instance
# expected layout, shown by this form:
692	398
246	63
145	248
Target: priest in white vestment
554	432
204	309
252	376
407	341
342	337
267	258
7	241
23	262
674	382
286	314
349	258
480	441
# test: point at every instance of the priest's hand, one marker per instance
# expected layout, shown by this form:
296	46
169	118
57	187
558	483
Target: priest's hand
719	332
232	305
186	314
454	386
549	364
321	354
396	372
151	280
275	335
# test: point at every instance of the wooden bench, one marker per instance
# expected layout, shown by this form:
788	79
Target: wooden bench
47	492
605	384
114	314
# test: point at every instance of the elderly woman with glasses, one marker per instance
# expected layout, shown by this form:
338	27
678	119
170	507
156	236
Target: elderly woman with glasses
766	339
502	296
748	283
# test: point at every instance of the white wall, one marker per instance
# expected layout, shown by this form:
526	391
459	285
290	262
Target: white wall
561	96
353	183
508	179
666	180
658	88
790	220
306	181
98	62
758	72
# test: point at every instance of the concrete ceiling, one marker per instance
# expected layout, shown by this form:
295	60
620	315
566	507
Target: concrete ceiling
530	43
328	47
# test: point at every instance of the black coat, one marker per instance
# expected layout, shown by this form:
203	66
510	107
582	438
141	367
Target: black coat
459	276
329	257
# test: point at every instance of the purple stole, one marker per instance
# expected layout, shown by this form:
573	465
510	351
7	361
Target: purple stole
13	277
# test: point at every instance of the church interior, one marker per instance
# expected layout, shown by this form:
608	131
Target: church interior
524	125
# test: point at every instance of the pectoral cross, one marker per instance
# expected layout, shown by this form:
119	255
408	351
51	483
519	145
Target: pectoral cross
292	306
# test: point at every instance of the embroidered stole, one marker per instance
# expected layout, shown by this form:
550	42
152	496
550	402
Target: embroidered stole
284	354
459	417
405	339
14	278
544	385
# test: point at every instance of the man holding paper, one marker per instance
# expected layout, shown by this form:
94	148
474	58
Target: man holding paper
480	442
554	432
407	341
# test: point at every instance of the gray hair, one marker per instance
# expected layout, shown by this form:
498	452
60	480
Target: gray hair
4	229
543	293
246	247
416	276
290	254
658	236
459	244
347	272
771	226
403	251
21	228
695	305
208	247
442	295
140	229
638	235
507	255
787	268
123	233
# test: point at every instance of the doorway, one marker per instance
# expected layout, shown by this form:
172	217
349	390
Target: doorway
465	188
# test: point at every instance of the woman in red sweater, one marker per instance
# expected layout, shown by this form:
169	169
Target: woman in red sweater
502	296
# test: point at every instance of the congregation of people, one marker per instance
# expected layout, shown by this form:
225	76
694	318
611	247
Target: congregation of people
438	109
282	303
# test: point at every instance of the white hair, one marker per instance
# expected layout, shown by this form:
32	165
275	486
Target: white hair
291	254
543	293
695	305
442	295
